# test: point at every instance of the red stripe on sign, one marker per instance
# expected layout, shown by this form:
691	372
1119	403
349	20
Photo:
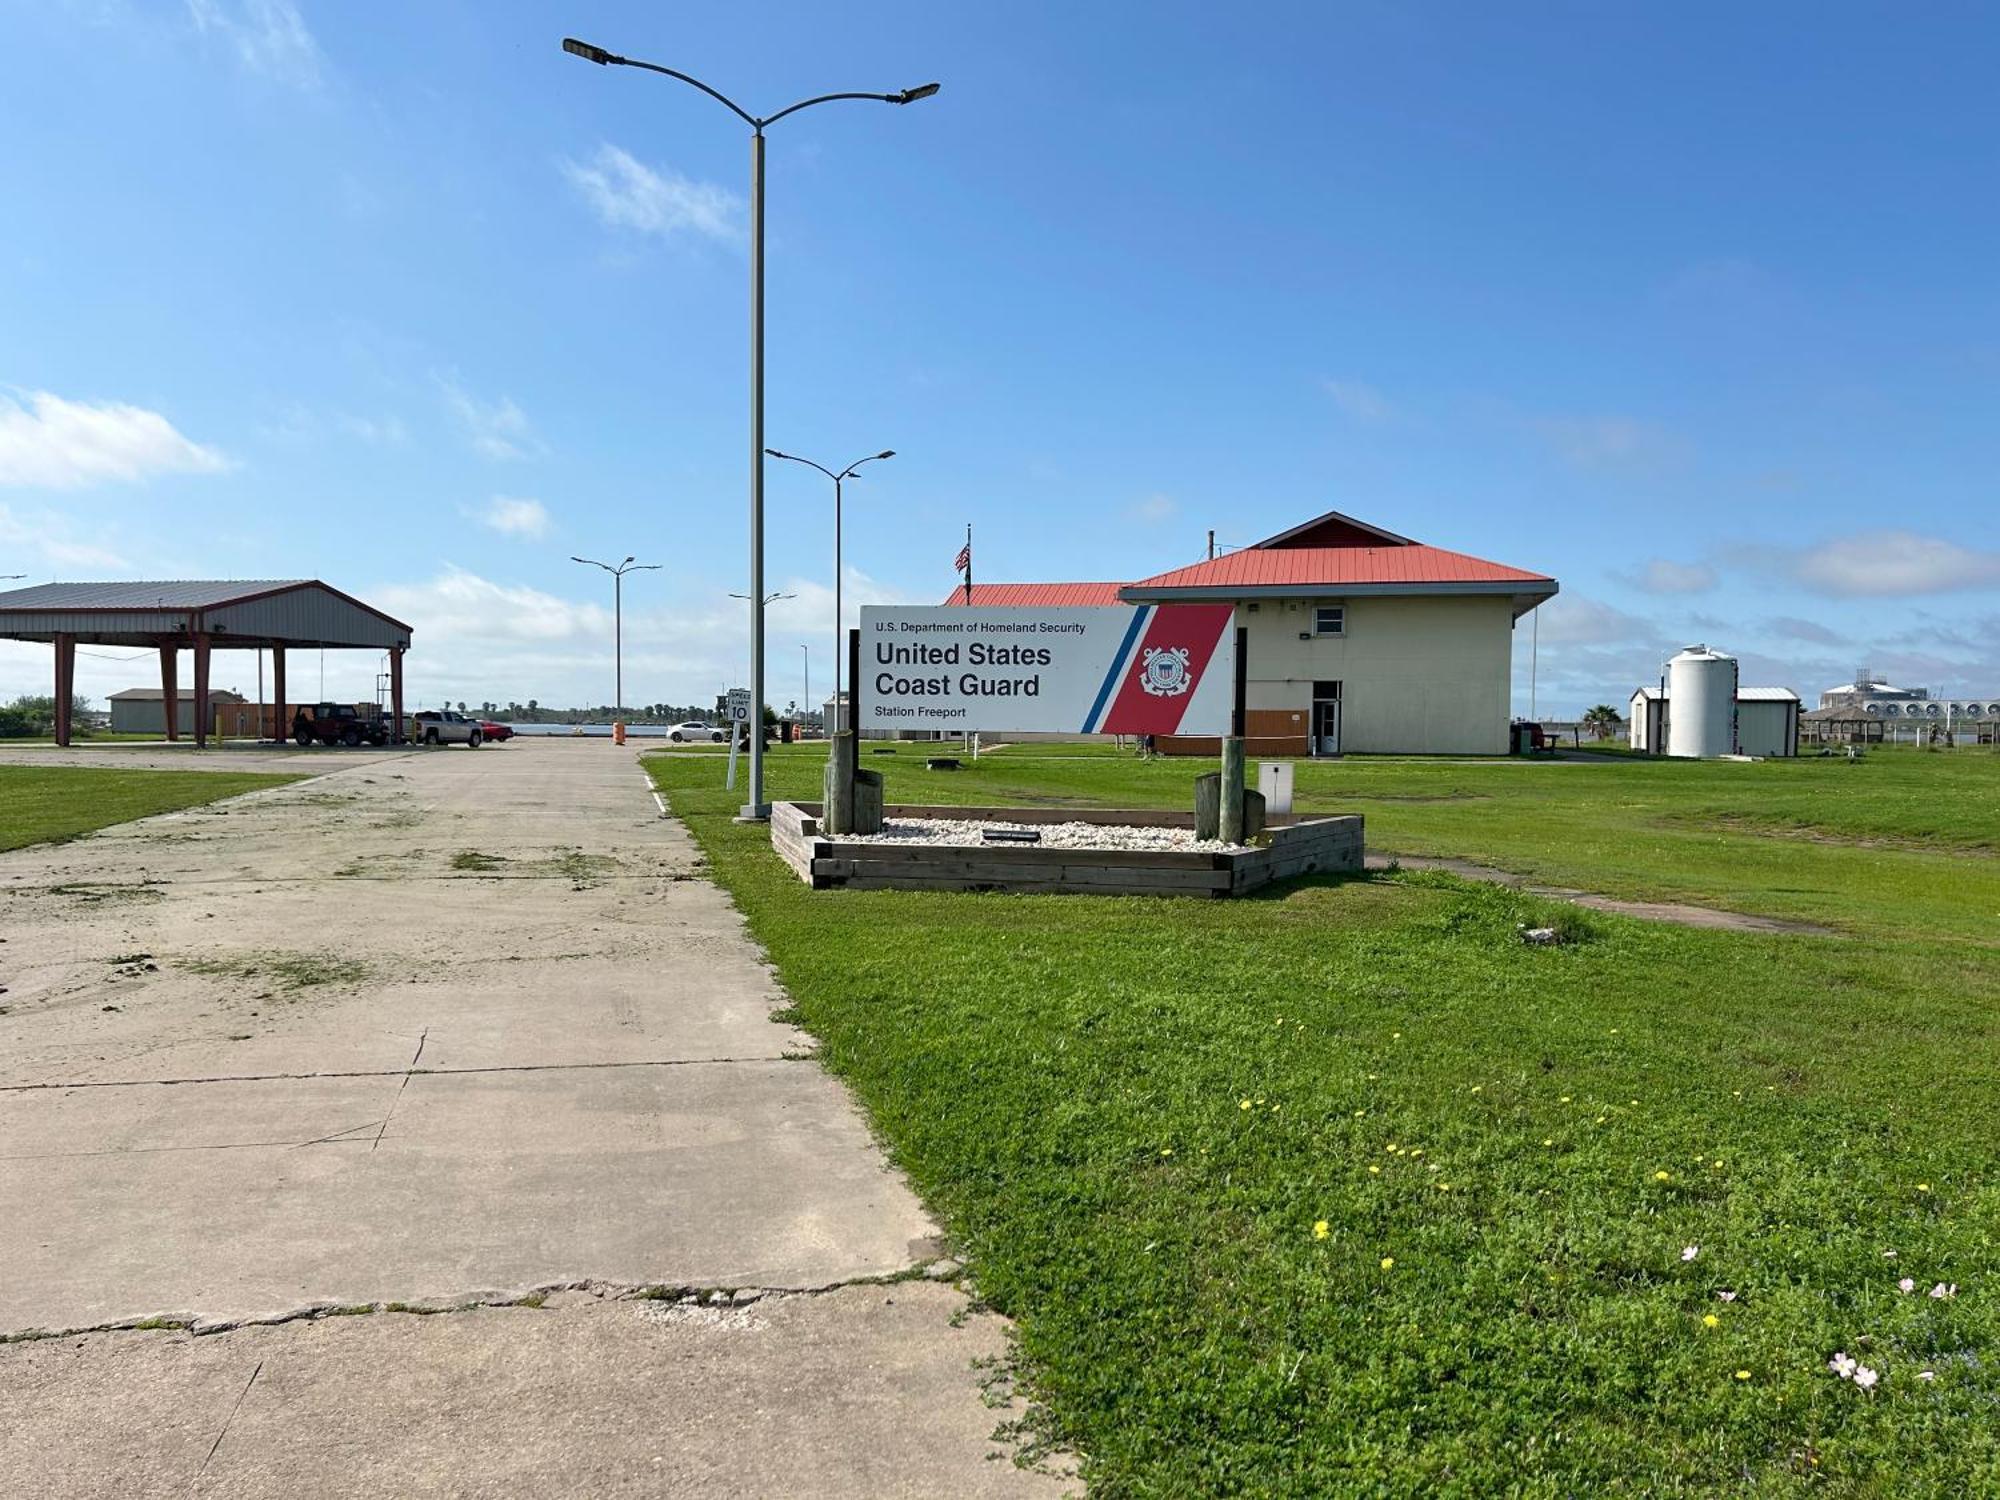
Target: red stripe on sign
1182	640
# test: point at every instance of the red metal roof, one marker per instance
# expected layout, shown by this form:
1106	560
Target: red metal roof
1334	567
1038	595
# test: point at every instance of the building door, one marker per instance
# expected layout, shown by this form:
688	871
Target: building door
1326	718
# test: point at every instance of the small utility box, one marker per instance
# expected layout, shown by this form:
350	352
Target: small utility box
1274	780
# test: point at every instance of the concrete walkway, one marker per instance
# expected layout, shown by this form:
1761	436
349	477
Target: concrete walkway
446	1030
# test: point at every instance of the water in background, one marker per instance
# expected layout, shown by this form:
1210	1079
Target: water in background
632	731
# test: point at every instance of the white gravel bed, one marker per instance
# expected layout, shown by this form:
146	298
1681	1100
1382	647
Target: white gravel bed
1120	836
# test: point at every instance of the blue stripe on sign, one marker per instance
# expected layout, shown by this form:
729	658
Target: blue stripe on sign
1132	633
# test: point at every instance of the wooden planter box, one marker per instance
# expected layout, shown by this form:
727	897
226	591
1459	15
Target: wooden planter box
1294	846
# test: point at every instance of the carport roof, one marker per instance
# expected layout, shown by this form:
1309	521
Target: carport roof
231	612
172	594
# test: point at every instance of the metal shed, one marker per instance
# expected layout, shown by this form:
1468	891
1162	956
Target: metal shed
202	616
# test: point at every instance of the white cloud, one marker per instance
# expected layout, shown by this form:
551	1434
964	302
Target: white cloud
627	194
476	638
49	443
1792	628
1573	619
1622	444
380	431
1153	509
498	429
1361	402
52	538
1661	576
512	517
267	36
1894	562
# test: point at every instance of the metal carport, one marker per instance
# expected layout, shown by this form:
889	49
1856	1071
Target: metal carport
233	615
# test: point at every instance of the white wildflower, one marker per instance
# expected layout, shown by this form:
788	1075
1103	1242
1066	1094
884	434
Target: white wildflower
1907	1284
1842	1366
1865	1377
1689	1252
1945	1289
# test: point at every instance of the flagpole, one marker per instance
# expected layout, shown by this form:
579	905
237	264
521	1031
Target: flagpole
968	563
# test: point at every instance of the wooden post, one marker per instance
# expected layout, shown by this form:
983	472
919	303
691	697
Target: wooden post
201	691
281	727
170	689
65	685
1232	825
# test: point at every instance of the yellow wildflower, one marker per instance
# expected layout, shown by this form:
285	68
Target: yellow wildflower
1321	1229
1663	1177
1710	1320
1388	1262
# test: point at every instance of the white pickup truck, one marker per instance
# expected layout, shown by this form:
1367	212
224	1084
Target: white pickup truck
443	727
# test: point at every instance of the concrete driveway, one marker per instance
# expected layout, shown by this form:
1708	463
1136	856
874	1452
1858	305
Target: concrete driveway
435	1103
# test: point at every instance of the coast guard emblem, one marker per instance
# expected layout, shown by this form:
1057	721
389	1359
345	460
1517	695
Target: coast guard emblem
1165	671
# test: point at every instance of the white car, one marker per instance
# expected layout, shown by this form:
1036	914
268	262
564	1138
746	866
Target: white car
694	729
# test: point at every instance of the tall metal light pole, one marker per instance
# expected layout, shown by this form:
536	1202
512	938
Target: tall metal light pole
618	619
845	474
805	703
757	807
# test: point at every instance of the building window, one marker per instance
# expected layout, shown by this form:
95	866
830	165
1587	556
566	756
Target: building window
1330	619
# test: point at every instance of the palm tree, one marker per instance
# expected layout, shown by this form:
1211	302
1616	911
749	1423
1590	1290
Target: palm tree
1603	721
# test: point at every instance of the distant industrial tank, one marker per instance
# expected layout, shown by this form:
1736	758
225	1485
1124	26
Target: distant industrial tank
1701	685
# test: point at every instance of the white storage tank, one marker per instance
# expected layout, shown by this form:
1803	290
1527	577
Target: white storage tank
1701	686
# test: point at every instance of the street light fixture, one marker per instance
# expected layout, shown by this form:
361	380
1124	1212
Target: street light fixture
618	618
757	807
844	474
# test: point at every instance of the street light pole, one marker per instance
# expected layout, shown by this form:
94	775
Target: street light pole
805	703
845	474
757	807
618	620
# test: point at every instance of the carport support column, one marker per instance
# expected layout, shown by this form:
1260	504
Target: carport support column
280	724
201	691
65	685
396	695
170	689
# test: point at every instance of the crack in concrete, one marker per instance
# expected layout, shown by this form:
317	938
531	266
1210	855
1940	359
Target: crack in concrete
226	1421
937	1268
140	1083
422	1037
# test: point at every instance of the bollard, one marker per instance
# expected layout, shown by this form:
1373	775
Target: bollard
1208	805
867	802
837	814
1231	821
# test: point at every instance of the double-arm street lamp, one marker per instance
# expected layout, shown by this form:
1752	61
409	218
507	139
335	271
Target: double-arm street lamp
757	807
618	618
845	474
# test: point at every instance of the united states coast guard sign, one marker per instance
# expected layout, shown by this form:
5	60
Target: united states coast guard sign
1151	669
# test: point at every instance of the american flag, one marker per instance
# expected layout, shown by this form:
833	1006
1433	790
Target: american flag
963	561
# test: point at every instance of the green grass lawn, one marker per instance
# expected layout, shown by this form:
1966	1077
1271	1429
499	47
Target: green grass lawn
46	804
1344	1190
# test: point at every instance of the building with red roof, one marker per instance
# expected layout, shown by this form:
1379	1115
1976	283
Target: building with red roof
1359	640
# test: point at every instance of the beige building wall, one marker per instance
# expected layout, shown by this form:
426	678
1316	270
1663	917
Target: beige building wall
1764	727
1429	675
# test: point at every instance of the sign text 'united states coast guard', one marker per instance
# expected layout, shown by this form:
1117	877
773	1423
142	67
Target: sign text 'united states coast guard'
1154	669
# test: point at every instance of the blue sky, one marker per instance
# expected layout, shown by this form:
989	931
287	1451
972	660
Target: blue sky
1695	307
